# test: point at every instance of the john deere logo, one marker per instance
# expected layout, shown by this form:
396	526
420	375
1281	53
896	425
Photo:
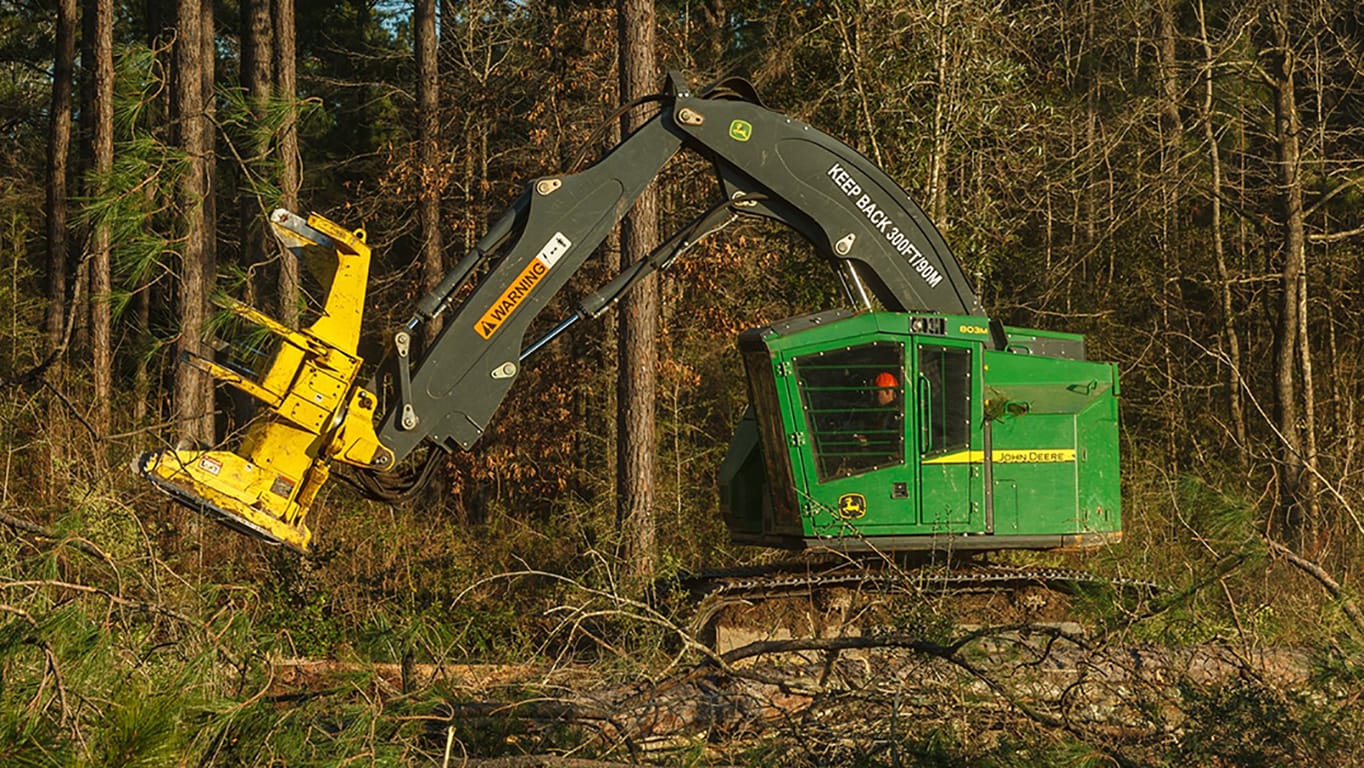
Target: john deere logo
851	506
740	130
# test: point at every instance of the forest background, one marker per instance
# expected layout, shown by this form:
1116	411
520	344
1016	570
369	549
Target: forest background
1180	180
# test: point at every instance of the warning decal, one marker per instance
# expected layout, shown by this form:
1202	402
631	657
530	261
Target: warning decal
521	287
283	486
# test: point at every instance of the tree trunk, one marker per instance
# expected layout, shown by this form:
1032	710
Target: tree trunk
850	31
715	17
142	380
1286	128
58	240
1309	421
101	47
148	385
256	46
255	76
1172	136
1231	338
209	149
58	155
286	87
937	167
637	350
1096	202
428	149
193	406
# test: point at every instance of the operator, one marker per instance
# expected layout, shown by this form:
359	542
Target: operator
880	423
884	393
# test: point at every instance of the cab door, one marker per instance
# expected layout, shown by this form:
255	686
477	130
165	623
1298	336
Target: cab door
849	414
946	436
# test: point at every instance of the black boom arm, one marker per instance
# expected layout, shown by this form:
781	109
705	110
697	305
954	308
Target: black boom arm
769	165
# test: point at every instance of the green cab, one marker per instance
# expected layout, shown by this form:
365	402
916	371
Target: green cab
895	432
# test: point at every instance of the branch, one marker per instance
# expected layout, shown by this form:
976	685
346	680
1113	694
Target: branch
83	544
51	659
37	372
1335	237
72	407
127	602
1331	586
543	761
948	653
1349	184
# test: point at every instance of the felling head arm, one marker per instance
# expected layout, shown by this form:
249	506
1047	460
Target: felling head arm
313	410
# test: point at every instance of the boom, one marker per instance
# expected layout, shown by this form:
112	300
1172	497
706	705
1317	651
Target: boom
880	244
877	239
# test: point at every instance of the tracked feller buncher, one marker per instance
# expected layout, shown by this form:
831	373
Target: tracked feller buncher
907	422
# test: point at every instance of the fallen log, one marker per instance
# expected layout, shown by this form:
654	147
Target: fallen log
291	677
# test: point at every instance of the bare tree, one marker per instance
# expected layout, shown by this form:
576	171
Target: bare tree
255	78
160	31
208	144
1232	340
1287	127
428	146
637	350
942	97
58	154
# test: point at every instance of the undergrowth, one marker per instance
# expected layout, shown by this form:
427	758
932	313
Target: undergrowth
134	633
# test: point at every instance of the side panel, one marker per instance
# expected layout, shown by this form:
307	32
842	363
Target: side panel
1054	426
1005	502
1036	455
744	493
781	459
1097	477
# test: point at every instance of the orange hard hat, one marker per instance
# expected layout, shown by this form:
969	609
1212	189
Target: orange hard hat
886	379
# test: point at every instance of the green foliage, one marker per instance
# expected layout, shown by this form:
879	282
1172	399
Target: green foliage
1226	522
134	200
926	619
103	520
1252	725
251	140
507	735
141	726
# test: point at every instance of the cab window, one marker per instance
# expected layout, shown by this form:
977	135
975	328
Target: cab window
853	399
945	392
